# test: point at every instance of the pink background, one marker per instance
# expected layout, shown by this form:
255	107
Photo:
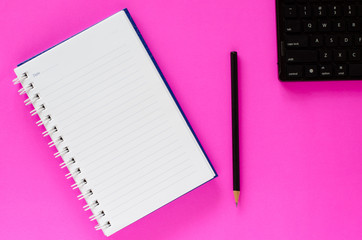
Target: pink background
301	167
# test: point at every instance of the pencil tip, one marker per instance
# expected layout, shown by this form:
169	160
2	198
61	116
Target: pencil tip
236	196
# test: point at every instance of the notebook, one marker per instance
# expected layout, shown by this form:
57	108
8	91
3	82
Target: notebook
115	122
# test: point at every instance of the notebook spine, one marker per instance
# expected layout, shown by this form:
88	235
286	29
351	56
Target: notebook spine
75	171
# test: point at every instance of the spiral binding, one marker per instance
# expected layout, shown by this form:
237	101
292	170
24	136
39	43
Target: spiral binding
56	142
70	163
66	164
91	205
23	76
104	226
73	174
85	195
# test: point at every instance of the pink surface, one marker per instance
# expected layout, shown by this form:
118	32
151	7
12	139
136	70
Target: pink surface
301	168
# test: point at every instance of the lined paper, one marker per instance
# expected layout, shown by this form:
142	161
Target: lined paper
118	121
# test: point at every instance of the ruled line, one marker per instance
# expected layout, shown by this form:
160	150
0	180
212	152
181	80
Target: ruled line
91	106
83	83
109	151
124	119
142	183
139	144
114	132
100	111
60	80
77	82
146	157
147	197
140	150
157	164
86	91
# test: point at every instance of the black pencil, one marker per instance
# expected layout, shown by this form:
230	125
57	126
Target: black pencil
235	125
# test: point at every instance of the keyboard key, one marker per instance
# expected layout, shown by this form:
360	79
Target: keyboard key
340	70
324	26
346	41
294	71
292	26
355	69
325	55
325	70
316	41
339	26
359	12
353	26
320	10
340	55
359	40
290	11
331	41
335	11
300	56
305	11
311	71
309	26
354	55
350	10
296	41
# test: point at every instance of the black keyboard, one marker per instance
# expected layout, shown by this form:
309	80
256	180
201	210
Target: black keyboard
319	40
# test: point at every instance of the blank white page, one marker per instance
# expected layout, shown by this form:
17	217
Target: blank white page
118	121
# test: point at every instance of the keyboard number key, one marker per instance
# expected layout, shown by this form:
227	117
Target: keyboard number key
335	11
350	10
305	11
320	11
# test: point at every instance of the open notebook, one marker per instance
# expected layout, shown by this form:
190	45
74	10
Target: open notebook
115	122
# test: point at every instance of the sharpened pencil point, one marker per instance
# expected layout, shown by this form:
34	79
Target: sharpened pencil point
236	196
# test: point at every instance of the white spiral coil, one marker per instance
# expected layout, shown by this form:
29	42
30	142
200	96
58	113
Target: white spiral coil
63	151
